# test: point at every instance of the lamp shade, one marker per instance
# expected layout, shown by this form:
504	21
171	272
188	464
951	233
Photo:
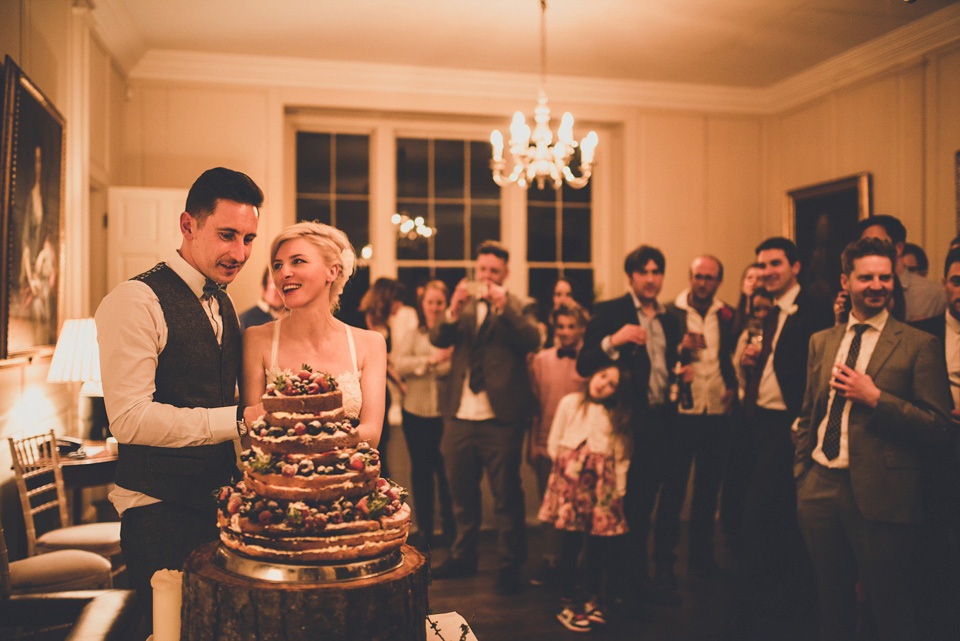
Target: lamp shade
77	356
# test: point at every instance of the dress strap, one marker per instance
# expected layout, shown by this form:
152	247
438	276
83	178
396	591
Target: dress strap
275	346
353	348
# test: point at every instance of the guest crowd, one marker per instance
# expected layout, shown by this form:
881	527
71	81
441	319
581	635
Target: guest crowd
821	431
821	426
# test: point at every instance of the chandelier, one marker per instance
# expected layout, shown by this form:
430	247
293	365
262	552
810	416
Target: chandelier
411	230
534	155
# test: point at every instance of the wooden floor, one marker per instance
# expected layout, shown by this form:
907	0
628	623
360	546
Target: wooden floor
531	616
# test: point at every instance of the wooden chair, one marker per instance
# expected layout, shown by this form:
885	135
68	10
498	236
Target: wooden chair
36	464
53	572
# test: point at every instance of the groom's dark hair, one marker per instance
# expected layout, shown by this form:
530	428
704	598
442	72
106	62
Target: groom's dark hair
217	184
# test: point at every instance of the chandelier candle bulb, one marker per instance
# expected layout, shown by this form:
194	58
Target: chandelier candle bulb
588	147
496	139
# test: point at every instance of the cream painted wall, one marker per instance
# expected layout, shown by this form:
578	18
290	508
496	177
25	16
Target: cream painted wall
903	127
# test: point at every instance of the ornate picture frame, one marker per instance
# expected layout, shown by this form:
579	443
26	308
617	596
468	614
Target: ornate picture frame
821	219
32	143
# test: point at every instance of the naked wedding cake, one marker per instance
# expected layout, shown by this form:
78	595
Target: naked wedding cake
311	489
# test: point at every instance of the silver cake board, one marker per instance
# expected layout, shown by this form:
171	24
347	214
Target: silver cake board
275	572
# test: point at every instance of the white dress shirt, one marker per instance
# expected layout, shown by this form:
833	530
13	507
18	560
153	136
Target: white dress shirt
132	332
708	385
770	395
952	342
475	406
867	344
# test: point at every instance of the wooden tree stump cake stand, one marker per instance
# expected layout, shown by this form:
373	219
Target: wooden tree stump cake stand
219	605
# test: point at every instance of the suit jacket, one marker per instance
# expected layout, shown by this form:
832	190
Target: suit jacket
940	476
790	354
506	342
608	317
885	443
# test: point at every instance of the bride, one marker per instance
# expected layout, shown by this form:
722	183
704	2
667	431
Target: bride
310	264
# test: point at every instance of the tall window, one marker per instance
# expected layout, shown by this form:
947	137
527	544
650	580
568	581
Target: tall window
333	187
558	242
448	184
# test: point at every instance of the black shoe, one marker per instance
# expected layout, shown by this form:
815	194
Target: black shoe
508	582
544	575
454	568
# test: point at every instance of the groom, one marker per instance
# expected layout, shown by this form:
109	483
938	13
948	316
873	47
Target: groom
170	356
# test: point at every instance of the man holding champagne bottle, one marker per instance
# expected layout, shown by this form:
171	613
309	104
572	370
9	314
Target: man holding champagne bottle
706	387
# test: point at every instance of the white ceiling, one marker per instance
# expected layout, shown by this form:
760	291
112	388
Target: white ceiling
740	43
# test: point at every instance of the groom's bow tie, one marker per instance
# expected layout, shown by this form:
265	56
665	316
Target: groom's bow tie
211	289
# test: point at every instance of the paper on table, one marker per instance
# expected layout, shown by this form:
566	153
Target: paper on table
167	594
449	626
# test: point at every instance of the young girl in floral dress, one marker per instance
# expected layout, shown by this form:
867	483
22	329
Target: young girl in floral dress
590	446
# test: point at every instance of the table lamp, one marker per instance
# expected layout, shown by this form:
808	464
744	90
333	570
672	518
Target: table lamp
76	359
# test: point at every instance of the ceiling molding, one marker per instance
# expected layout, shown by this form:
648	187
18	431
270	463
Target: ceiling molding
117	30
436	81
907	45
904	46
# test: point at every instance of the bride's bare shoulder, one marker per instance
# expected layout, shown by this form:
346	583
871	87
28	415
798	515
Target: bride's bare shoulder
258	336
368	341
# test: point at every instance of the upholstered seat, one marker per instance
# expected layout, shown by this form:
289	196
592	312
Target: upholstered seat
54	572
60	570
100	538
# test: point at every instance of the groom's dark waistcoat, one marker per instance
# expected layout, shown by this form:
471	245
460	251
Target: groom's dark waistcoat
193	370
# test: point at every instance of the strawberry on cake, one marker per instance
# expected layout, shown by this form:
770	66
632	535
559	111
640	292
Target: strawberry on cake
311	490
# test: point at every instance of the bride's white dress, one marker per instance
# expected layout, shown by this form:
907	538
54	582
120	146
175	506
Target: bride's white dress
348	382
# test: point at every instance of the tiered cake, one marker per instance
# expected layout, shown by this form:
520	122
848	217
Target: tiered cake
311	489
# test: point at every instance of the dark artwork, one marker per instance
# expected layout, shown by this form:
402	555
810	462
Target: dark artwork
822	220
31	158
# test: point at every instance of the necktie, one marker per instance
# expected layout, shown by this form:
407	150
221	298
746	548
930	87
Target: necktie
831	437
752	393
211	289
477	378
566	353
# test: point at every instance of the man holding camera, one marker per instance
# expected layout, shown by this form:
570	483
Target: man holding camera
486	409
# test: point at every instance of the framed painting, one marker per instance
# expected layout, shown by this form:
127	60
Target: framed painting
822	219
31	215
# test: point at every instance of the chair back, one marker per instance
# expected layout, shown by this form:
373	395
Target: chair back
36	465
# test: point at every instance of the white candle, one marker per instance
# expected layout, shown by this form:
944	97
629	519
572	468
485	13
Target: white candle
167	594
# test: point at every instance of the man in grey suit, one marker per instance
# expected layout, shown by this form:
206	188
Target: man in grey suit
876	394
486	410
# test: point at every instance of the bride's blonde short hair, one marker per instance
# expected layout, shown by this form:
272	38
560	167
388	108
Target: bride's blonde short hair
334	247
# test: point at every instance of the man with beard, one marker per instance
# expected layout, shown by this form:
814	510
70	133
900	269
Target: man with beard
170	354
876	394
637	333
707	386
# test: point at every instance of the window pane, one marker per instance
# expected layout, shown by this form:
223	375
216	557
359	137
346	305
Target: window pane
313	163
571	195
313	209
353	219
484	225
451	276
411	167
540	287
541	233
450	233
546	195
581	280
481	179
356	287
412	277
575	246
416	250
448	168
353	164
